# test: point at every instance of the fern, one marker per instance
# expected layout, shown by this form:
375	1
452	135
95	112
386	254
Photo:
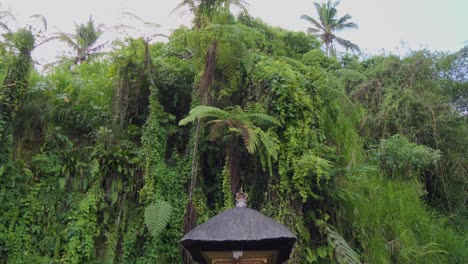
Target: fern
202	111
271	148
249	136
263	118
157	216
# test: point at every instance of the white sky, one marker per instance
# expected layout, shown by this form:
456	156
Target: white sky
384	25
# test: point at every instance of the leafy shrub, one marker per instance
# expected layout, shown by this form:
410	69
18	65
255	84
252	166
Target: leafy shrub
403	159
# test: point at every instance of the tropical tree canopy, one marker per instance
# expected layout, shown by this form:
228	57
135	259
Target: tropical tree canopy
113	160
328	24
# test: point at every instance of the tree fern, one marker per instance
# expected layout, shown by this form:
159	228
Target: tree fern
157	216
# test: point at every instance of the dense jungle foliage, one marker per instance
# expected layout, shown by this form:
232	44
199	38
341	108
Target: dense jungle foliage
112	158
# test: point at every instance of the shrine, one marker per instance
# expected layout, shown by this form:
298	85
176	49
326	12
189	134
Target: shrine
240	235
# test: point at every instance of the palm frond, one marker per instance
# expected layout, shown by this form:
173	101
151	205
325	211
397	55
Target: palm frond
343	19
346	26
334	5
97	48
189	3
314	31
331	13
317	25
318	8
157	216
347	44
67	38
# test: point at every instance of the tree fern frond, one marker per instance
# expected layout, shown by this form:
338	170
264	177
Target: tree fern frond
270	147
157	216
42	20
263	118
189	3
217	129
7	14
202	111
295	63
249	136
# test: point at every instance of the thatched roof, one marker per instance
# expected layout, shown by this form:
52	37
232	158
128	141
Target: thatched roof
239	228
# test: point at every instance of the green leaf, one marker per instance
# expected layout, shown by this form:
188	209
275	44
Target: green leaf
202	111
157	216
322	252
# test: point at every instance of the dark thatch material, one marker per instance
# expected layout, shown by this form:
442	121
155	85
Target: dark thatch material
239	228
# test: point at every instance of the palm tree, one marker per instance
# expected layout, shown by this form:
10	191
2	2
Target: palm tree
83	41
328	24
229	126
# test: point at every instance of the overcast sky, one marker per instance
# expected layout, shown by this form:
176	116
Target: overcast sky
390	25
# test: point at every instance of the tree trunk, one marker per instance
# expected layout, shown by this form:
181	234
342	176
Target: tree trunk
190	217
12	93
233	163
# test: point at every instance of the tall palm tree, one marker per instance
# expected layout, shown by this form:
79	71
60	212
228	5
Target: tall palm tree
84	40
328	24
